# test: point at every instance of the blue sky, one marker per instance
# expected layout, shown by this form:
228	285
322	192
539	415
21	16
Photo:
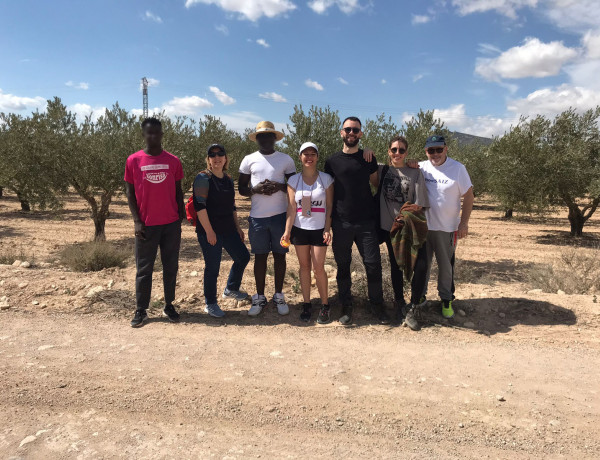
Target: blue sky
479	63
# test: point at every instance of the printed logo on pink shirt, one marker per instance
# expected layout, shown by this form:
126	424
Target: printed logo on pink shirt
155	177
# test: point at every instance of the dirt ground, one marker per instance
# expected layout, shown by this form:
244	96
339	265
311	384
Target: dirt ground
516	376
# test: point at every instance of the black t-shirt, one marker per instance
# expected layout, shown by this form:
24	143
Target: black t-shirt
217	196
352	197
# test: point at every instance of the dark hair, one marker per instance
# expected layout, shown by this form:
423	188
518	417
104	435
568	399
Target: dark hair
352	119
398	139
151	121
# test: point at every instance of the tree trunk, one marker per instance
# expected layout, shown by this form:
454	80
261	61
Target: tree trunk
577	220
99	223
508	213
24	203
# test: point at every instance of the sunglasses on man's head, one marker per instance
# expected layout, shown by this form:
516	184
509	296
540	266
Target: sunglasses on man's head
433	150
220	153
352	130
400	150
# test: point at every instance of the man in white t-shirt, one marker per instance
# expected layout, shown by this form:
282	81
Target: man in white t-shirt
263	176
447	182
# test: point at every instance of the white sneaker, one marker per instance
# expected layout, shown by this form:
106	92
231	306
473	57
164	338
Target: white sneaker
279	301
258	303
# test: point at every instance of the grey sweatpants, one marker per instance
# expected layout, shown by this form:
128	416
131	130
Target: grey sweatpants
443	245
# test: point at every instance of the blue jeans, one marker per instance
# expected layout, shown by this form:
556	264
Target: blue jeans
236	249
265	234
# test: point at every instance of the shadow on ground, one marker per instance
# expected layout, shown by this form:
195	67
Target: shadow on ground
491	316
564	238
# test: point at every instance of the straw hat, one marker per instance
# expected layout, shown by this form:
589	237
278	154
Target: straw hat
265	127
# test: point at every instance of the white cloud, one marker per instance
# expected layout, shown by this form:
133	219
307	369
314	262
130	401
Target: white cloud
591	41
346	6
574	15
418	77
505	7
223	29
81	85
223	98
188	105
552	101
486	48
285	83
342	81
457	119
383	81
420	19
532	59
313	84
83	110
273	97
11	103
240	121
263	42
150	16
251	10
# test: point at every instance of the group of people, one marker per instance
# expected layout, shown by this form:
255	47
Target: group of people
416	211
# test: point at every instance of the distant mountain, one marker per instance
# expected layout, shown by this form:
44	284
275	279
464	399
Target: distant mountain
466	139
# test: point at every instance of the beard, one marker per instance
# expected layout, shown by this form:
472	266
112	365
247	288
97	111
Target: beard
350	143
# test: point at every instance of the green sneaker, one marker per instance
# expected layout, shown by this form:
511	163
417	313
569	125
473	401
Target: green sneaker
447	311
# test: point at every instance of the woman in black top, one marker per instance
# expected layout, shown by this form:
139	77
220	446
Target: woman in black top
218	228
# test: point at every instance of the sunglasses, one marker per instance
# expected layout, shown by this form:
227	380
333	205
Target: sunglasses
401	151
432	150
220	153
352	130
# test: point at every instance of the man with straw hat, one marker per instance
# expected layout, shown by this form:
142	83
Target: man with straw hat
263	176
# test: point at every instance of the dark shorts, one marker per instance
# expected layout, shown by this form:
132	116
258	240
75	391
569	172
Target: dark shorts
301	237
265	234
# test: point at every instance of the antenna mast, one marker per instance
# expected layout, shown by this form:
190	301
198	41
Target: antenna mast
145	95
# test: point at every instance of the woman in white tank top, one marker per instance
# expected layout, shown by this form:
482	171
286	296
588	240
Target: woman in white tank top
310	195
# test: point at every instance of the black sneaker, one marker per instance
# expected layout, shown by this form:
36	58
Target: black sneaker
139	319
346	318
379	311
324	315
399	311
411	319
170	313
306	312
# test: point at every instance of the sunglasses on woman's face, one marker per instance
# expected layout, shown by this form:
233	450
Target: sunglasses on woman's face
220	153
352	130
400	150
432	150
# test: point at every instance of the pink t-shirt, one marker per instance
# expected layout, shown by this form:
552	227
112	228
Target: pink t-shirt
153	178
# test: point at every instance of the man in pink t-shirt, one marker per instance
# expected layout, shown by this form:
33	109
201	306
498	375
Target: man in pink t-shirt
153	188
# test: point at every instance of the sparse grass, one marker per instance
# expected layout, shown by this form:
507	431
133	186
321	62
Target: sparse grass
296	285
9	255
576	272
93	256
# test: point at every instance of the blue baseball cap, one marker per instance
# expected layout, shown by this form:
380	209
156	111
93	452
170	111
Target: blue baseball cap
435	141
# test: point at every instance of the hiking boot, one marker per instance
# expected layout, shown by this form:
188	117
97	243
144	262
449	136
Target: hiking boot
170	313
379	311
306	312
237	295
214	310
447	311
346	318
258	303
421	303
282	306
410	319
139	319
324	315
399	311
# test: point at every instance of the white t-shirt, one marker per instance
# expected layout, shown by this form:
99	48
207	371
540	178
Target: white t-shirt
318	199
273	167
446	184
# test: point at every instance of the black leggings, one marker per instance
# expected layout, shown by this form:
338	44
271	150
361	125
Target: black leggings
419	276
